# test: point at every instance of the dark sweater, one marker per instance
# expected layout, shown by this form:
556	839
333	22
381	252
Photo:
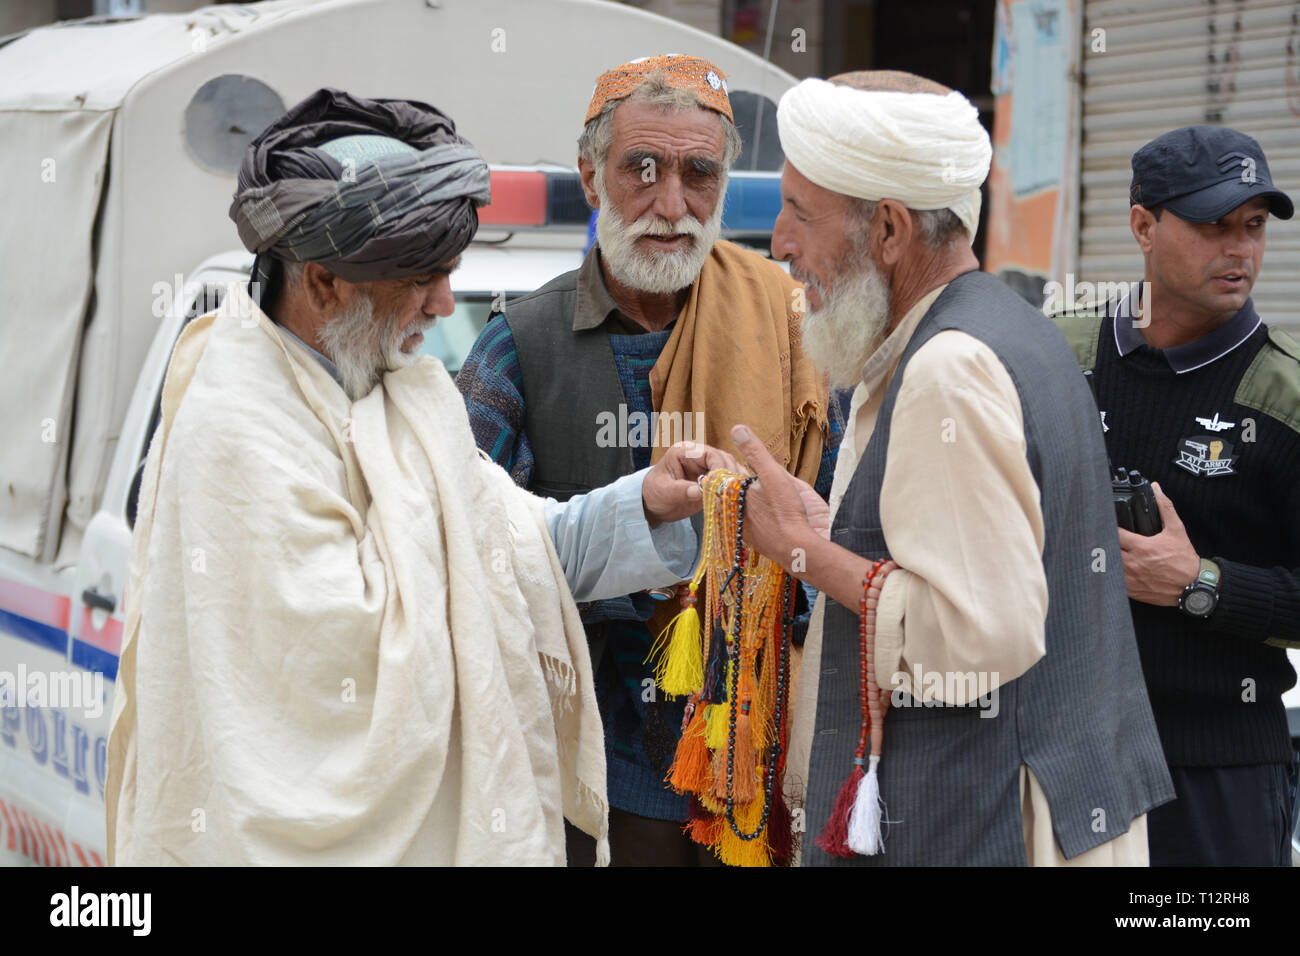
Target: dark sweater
1215	685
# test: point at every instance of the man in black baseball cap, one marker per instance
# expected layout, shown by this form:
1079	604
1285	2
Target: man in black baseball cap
1198	394
1200	173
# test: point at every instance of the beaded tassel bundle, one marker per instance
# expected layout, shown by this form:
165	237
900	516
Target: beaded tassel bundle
734	671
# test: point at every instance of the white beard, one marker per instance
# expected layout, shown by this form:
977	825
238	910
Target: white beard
851	323
659	272
363	349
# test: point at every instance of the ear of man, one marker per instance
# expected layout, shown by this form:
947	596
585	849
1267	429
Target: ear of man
1142	221
587	174
321	289
892	232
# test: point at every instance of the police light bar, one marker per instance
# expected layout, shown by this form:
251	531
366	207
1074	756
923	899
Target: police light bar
752	204
526	197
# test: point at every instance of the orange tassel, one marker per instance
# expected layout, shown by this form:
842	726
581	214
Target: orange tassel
690	769
720	775
742	773
745	764
702	826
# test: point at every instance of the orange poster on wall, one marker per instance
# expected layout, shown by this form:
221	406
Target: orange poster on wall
1033	189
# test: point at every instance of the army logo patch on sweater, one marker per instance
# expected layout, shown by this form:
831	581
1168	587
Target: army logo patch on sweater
1205	455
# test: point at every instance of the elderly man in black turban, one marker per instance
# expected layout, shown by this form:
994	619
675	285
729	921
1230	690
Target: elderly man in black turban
384	192
349	637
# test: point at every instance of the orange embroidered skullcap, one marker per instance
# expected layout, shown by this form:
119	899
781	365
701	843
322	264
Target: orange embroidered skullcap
683	72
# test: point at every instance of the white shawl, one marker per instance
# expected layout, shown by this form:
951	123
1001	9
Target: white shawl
348	637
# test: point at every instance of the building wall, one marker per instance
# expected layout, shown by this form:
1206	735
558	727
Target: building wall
1032	225
17	17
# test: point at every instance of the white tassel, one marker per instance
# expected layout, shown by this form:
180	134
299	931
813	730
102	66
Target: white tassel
865	820
602	851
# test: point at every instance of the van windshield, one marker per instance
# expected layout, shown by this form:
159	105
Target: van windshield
451	339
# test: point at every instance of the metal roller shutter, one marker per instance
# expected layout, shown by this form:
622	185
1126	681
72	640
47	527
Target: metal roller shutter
1171	63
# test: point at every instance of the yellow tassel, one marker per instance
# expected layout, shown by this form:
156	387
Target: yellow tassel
734	851
710	802
716	719
680	669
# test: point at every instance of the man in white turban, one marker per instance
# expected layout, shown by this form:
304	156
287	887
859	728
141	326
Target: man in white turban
971	669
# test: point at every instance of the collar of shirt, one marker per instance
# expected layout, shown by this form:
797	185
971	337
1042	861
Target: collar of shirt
325	363
1195	354
867	397
876	372
595	305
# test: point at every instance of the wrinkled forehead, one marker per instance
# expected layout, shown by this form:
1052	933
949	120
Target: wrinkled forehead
806	196
668	134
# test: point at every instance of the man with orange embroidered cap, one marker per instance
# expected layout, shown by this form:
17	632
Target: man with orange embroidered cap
664	326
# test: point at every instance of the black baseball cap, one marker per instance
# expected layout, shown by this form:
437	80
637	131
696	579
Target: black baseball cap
1202	173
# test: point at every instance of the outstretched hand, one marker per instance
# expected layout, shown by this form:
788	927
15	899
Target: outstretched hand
781	511
671	490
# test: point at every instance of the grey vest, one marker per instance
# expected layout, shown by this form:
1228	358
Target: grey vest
569	379
1080	717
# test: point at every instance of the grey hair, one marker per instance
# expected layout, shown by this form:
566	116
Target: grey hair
938	227
292	272
593	144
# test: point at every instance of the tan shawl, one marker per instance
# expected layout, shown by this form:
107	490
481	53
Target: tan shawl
734	358
348	637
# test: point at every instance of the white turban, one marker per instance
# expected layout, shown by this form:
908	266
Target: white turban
926	150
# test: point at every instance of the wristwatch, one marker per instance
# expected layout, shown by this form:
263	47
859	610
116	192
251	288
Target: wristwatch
1201	597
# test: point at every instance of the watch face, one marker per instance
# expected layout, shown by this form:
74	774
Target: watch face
1198	602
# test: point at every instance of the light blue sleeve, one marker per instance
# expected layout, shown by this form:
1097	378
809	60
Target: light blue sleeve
608	550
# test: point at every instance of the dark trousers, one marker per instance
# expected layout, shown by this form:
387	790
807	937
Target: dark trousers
1226	816
638	841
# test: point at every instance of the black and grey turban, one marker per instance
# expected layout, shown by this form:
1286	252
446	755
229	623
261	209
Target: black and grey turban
371	189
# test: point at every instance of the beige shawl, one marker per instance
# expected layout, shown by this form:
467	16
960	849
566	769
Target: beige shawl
734	358
348	637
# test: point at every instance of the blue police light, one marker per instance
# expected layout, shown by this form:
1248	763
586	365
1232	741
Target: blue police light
534	198
752	203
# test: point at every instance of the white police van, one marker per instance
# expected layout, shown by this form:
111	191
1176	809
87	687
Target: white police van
119	142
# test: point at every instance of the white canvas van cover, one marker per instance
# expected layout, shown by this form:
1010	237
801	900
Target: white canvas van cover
120	140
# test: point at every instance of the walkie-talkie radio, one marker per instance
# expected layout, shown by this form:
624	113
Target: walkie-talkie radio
1135	502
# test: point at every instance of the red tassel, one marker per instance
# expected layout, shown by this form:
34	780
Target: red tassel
779	835
701	825
835	835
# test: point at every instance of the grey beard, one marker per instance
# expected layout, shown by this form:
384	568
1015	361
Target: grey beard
362	349
850	326
654	272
